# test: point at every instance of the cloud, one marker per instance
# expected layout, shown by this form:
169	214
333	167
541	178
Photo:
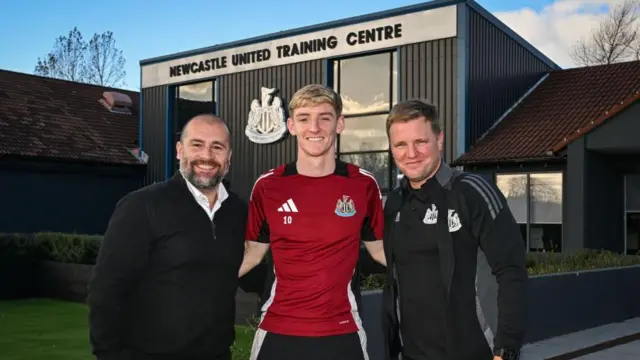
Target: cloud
558	26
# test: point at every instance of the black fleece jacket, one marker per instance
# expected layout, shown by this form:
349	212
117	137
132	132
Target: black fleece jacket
166	276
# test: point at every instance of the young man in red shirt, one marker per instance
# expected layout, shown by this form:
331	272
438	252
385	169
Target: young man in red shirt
313	213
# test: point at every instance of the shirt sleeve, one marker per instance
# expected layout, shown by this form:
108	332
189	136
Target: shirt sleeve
373	225
257	225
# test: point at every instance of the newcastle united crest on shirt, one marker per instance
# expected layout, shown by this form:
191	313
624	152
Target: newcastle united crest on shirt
454	221
431	216
345	207
266	120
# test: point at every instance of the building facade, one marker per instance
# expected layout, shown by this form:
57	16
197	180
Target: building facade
452	53
567	158
68	154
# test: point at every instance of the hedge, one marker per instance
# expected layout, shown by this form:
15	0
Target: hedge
50	246
83	249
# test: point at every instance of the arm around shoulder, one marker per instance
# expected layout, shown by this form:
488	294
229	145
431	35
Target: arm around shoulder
501	242
123	255
376	250
257	233
254	252
373	227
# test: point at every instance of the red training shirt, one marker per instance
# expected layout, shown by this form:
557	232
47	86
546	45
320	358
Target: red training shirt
314	226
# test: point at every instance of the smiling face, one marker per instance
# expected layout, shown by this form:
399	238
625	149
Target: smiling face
204	152
315	118
416	140
317	128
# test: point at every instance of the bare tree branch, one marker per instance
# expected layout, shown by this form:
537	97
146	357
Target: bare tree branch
616	39
97	62
66	60
105	62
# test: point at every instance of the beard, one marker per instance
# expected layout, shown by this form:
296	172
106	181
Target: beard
202	182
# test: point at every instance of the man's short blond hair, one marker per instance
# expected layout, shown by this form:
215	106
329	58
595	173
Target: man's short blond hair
408	110
313	95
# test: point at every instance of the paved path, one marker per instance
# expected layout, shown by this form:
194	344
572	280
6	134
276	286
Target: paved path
621	352
618	341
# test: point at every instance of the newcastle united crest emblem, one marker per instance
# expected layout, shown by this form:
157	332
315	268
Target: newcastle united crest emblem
345	207
266	120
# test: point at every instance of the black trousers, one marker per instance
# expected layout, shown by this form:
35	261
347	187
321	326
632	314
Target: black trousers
285	347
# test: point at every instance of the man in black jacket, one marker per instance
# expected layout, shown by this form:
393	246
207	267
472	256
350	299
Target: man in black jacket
166	277
450	239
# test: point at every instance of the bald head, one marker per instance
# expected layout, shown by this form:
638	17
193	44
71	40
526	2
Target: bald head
199	122
204	151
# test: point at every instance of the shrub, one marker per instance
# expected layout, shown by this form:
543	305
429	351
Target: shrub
18	248
588	259
83	249
547	263
69	248
61	247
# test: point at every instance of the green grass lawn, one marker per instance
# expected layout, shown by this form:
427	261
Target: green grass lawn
42	329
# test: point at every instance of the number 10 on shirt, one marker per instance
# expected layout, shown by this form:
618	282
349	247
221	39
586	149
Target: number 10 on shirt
287	219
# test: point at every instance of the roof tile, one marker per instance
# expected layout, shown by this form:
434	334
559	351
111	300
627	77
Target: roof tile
51	118
566	101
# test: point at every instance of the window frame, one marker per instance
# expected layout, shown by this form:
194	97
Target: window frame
528	200
334	79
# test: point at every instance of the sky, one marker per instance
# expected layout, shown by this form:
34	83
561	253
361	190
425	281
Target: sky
144	28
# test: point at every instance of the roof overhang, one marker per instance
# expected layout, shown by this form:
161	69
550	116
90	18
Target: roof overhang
595	123
509	161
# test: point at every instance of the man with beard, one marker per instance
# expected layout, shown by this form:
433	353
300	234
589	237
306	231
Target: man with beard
456	286
313	214
166	276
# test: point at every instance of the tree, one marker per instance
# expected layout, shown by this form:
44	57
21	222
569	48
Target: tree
97	62
105	63
66	60
539	190
616	39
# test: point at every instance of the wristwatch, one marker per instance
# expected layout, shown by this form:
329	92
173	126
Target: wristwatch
507	354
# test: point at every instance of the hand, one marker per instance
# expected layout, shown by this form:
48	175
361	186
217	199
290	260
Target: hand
497	358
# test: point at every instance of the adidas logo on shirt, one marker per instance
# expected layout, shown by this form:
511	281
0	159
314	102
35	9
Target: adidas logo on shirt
288	206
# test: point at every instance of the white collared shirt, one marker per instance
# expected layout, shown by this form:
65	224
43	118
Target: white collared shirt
202	198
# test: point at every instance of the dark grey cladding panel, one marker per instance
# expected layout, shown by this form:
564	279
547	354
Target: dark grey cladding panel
237	91
428	72
501	71
154	110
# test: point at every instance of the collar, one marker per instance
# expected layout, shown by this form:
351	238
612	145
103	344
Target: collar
340	170
202	199
439	180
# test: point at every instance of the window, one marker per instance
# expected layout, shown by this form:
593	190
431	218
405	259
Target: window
368	88
191	100
536	203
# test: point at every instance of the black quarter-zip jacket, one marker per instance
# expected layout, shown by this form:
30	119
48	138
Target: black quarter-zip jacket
479	246
417	261
166	277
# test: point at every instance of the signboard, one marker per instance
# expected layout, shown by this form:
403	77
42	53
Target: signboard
266	122
373	35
